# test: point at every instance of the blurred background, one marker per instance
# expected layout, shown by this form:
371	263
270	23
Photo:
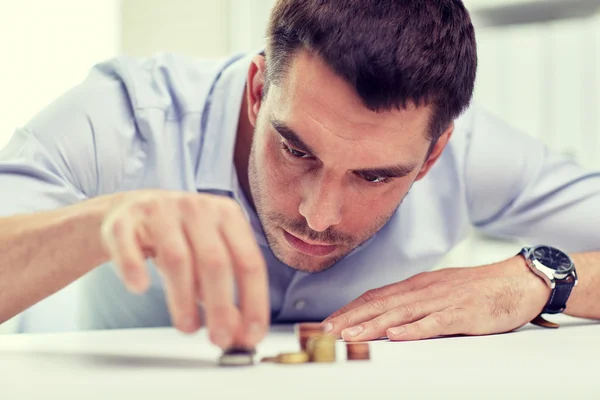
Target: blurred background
539	69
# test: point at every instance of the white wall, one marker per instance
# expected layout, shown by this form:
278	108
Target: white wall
544	79
248	22
47	47
191	27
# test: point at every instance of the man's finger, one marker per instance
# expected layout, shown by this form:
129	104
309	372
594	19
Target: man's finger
250	274
382	304
174	262
121	243
216	280
441	323
406	313
414	283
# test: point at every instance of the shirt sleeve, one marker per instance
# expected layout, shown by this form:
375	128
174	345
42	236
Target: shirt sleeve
80	146
519	189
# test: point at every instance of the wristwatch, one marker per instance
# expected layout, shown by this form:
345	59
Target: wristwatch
556	269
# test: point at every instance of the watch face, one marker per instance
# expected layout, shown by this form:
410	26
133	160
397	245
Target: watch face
552	258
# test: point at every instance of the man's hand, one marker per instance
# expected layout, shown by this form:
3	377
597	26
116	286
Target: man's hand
202	244
471	301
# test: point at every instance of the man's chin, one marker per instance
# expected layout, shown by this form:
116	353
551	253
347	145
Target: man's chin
306	263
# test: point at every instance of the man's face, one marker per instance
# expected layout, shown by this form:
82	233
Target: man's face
325	172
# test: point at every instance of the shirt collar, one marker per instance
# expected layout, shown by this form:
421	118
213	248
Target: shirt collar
215	170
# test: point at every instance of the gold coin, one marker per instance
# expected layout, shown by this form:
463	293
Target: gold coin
319	341
323	356
292	358
322	348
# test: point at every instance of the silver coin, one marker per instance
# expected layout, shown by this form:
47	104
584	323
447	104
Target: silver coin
237	357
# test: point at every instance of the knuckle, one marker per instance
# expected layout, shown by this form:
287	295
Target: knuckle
247	265
407	312
442	285
418	277
435	290
117	228
213	261
187	205
150	205
379	304
442	319
455	318
370	295
416	328
229	208
344	320
374	325
174	259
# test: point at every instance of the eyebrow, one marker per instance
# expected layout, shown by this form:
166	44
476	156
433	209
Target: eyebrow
393	171
288	134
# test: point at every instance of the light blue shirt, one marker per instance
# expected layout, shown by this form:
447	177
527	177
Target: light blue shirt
170	122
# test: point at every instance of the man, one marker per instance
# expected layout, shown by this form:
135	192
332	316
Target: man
319	180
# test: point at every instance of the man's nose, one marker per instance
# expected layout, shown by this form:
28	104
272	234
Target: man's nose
322	203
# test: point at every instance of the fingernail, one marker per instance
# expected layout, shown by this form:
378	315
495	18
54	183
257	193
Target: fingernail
354	331
396	331
328	327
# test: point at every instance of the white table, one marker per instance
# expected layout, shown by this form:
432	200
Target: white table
531	363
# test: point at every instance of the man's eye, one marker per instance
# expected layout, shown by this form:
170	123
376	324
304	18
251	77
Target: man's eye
374	178
294	152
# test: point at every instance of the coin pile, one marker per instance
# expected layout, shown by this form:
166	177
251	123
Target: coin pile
321	348
358	351
318	347
305	331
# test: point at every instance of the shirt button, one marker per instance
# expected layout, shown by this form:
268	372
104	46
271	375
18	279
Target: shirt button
299	305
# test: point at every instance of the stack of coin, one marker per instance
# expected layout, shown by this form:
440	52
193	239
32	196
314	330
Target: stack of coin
358	351
315	346
305	331
321	348
237	356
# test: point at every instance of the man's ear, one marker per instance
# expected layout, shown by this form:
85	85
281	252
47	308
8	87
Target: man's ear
436	152
254	87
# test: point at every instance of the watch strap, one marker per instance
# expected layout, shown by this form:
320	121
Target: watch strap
559	296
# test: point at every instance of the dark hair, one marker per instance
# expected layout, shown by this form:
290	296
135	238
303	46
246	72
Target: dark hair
391	51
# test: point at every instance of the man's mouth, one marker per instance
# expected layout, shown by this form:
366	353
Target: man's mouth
309	248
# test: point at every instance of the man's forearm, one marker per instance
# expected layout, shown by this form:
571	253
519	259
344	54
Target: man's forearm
42	253
585	298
